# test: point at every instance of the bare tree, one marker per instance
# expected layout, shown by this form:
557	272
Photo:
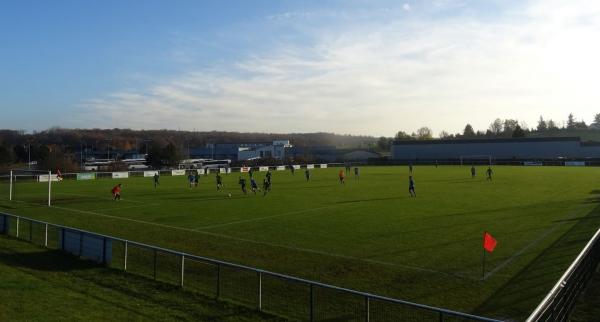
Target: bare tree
424	133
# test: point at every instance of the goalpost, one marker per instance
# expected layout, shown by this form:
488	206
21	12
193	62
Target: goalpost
31	176
476	158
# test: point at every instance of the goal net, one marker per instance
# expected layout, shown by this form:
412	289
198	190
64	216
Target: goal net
30	186
476	160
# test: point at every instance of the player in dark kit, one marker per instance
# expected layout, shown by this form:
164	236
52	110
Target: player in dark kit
410	168
269	176
356	173
292	169
196	179
411	187
250	172
266	186
242	183
156	177
219	182
307	174
116	192
489	173
472	171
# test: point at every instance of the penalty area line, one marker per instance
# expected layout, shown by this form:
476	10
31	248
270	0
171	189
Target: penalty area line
306	250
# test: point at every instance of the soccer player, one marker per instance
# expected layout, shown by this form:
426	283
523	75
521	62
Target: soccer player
269	176
411	187
489	173
266	186
219	182
307	174
292	169
253	185
410	168
242	183
348	166
342	177
116	192
191	180
250	172
156	177
196	179
356	173
436	163
472	171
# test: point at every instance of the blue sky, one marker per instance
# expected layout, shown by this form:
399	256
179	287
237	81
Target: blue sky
359	67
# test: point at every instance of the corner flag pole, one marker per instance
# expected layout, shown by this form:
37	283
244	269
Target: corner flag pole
483	258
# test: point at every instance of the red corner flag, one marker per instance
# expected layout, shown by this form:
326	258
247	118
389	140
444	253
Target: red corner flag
489	243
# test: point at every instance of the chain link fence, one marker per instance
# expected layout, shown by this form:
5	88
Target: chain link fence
286	296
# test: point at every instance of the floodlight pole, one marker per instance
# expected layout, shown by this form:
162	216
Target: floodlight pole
11	186
49	187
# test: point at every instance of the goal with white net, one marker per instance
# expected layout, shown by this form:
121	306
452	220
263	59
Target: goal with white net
30	186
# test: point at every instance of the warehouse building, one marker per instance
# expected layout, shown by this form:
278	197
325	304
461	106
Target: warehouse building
499	149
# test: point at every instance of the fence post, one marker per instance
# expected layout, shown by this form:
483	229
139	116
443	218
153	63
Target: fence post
259	291
367	304
46	235
182	268
312	303
155	264
125	258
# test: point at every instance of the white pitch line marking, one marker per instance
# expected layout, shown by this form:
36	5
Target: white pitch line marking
416	268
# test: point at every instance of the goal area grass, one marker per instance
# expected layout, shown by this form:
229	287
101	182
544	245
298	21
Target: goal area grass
366	234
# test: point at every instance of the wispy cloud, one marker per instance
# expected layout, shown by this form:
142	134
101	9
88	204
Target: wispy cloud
384	76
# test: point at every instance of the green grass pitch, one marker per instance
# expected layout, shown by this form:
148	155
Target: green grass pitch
367	235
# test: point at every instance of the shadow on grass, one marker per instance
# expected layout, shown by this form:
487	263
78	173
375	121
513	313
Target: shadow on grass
521	294
179	304
44	260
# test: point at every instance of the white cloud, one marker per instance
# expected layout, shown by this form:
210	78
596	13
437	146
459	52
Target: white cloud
406	7
385	77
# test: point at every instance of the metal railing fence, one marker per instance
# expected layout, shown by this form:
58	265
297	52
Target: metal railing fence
287	296
559	302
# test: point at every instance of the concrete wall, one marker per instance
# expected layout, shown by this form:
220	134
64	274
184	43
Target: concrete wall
498	150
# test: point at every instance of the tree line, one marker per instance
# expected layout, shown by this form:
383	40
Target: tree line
162	146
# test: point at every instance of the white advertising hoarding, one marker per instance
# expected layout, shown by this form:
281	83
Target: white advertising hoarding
120	175
150	173
177	172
